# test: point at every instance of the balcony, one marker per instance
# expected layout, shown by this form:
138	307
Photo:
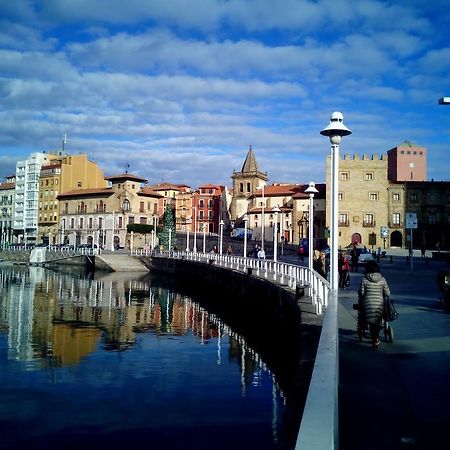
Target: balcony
369	223
343	223
395	224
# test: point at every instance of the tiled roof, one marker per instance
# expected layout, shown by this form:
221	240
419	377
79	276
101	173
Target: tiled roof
5	186
125	176
149	192
86	193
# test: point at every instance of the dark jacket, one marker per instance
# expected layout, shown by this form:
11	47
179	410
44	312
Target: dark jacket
372	292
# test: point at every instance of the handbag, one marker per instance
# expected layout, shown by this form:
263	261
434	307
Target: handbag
390	313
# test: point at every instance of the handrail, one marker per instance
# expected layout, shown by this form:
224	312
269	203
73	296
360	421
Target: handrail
280	272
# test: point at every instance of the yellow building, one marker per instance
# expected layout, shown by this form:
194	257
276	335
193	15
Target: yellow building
63	174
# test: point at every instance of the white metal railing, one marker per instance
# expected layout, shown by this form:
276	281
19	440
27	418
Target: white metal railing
279	272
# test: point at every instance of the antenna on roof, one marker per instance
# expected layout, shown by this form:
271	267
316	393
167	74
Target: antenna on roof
127	166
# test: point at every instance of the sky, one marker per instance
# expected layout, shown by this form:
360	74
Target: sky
177	90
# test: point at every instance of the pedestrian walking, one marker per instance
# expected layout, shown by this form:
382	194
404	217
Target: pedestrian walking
261	257
229	250
372	293
354	258
344	270
301	253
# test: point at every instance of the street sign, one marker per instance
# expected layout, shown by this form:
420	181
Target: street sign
411	220
384	232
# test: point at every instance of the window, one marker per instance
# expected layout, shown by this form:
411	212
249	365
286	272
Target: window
241	187
396	197
343	219
126	205
90	223
368	176
369	220
79	184
344	176
131	219
143	220
432	219
100	222
396	219
373	196
200	203
249	187
413	198
72	223
81	223
340	196
200	214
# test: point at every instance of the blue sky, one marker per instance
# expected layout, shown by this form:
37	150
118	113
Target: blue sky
179	89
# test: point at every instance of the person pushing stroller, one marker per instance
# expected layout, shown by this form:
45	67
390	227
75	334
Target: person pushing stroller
372	293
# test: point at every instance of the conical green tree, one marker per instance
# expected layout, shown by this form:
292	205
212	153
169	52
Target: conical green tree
168	224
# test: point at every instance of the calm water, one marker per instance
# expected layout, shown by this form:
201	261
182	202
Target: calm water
121	360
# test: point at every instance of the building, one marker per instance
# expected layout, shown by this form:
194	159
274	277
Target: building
100	216
363	199
245	184
407	162
7	198
26	207
63	174
207	201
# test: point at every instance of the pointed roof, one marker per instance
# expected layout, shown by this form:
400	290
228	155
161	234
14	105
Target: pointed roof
250	164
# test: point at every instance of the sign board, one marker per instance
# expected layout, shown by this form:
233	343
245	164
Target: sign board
411	220
384	232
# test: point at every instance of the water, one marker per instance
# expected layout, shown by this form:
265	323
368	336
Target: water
123	359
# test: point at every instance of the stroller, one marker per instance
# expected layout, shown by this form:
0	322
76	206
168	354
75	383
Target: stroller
362	327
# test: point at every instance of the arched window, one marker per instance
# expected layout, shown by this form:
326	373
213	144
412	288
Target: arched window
126	205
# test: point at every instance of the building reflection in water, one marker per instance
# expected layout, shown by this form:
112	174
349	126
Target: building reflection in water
54	319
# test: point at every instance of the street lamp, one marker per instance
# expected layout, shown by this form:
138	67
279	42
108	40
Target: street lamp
204	237
245	219
221	224
262	216
195	229
275	210
311	190
444	101
187	239
335	130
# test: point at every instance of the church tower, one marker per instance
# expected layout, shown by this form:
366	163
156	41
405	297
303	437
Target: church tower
245	184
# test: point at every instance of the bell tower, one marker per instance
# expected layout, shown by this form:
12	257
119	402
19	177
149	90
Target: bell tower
245	183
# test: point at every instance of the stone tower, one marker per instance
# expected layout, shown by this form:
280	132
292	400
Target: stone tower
245	183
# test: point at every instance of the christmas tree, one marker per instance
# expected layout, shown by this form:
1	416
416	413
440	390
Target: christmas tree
168	224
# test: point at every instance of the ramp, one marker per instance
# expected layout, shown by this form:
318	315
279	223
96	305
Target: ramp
119	263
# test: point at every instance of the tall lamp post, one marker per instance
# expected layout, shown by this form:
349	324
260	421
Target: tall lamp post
245	219
262	216
195	229
221	224
311	190
204	237
335	130
275	210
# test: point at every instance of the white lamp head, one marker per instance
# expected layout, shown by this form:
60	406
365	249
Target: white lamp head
311	189
336	127
276	210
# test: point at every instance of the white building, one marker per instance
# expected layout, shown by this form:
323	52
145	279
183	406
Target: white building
26	207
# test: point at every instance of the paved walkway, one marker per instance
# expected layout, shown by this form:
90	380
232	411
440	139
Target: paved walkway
397	397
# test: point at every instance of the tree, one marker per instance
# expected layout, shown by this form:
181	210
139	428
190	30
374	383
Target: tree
168	224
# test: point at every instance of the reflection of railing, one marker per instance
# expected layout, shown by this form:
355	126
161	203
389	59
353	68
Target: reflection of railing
282	273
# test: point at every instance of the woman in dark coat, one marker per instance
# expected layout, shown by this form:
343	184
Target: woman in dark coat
372	292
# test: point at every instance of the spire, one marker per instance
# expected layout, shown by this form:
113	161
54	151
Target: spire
250	164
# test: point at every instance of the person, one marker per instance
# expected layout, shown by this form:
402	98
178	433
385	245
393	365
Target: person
229	250
422	251
372	293
214	249
354	257
344	269
378	254
255	251
261	256
301	253
318	263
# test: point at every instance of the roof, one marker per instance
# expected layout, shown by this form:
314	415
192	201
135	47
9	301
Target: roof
5	186
277	190
87	193
149	192
166	187
250	164
124	177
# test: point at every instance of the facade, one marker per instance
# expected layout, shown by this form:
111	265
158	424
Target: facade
407	162
245	184
184	212
363	197
100	216
7	197
207	204
26	207
63	174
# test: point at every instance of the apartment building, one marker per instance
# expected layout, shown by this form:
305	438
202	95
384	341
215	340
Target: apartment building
63	174
7	197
